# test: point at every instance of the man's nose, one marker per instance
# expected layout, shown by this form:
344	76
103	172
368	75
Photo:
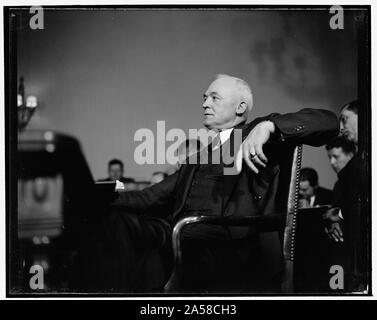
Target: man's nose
206	103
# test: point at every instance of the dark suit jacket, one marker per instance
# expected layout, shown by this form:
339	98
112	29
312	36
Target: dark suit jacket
323	196
245	193
347	195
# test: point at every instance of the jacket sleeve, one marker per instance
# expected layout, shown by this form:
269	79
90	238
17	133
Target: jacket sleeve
314	127
160	194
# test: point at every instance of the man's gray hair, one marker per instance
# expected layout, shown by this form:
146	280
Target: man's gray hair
244	90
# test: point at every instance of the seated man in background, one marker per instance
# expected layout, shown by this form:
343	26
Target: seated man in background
120	253
340	151
311	193
115	171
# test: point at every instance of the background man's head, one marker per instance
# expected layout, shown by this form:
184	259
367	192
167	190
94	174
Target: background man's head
340	151
115	169
157	177
348	121
308	182
227	102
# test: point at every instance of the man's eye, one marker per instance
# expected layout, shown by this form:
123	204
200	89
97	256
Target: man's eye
215	98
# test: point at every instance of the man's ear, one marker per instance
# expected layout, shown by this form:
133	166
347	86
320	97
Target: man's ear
241	109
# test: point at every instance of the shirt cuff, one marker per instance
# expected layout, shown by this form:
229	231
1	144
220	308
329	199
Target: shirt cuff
119	186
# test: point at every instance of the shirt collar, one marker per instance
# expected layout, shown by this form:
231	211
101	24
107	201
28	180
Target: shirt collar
312	200
225	135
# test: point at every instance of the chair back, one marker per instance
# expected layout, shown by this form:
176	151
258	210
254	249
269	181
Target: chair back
292	193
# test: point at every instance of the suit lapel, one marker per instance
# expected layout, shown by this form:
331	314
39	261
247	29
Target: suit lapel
230	150
231	177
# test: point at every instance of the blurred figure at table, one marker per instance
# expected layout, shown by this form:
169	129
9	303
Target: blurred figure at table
311	194
115	171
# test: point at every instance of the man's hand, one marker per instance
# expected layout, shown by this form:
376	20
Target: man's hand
335	232
332	215
252	147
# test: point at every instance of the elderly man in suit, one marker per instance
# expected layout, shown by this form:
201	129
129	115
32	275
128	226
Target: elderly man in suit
134	251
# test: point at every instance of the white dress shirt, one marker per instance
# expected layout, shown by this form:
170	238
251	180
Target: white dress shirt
224	136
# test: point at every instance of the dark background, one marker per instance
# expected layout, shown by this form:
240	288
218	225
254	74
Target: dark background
103	74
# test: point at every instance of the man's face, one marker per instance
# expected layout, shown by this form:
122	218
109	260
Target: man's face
338	158
348	125
115	172
220	103
306	190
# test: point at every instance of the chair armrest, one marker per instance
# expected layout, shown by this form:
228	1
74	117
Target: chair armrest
273	222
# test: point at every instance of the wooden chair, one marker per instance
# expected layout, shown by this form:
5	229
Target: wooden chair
284	223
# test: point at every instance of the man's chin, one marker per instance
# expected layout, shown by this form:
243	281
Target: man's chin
208	124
